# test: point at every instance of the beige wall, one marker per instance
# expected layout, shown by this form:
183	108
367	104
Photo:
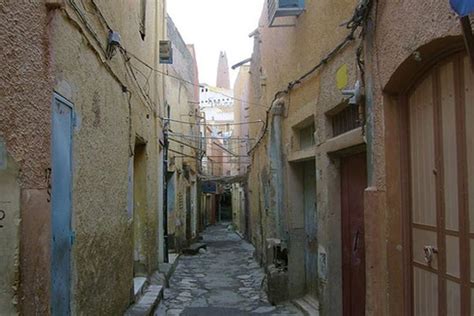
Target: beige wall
109	123
274	65
9	233
183	100
26	85
51	47
429	28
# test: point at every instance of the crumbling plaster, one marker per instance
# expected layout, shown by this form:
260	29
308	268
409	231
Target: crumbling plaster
104	139
25	100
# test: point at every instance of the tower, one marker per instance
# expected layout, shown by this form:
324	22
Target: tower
223	78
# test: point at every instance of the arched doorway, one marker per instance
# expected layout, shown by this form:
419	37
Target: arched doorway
439	193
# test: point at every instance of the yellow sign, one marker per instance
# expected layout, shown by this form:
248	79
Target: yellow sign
342	77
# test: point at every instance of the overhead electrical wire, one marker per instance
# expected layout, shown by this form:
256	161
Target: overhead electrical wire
215	124
98	43
230	145
190	83
212	137
184	144
359	17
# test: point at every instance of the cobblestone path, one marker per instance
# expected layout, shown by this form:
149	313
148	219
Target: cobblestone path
223	281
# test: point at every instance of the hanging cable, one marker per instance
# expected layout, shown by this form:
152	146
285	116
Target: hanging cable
359	17
189	82
212	137
217	124
181	153
184	144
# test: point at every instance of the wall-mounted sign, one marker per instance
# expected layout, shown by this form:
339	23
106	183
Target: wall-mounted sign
209	187
166	52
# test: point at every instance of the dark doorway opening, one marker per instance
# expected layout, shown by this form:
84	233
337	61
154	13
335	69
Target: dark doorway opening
139	209
225	207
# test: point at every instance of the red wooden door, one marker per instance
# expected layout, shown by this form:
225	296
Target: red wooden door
353	184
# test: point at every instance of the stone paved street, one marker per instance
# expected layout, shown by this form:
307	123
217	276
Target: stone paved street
223	280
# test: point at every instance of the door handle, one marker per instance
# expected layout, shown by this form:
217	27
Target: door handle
72	237
429	253
356	241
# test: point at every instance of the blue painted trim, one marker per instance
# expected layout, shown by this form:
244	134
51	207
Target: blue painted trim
462	7
62	233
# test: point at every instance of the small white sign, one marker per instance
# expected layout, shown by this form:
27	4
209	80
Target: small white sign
166	52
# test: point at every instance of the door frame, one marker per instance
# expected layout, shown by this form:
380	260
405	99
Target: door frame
59	98
422	72
310	221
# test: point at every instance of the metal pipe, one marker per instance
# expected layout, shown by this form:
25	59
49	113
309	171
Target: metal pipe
276	165
369	99
165	186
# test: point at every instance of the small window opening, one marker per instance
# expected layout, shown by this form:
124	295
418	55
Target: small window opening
306	136
345	120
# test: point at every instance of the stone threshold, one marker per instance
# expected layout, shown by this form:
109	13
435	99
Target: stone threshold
147	303
308	304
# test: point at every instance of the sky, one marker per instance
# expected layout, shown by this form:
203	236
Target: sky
214	26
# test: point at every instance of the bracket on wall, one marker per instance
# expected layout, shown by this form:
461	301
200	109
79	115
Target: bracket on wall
467	24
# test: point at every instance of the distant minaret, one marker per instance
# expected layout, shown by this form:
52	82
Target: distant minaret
223	78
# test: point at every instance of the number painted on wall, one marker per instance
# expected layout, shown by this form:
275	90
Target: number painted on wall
2	217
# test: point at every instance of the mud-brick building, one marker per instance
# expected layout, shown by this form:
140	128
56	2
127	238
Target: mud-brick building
185	148
312	138
240	211
81	166
360	186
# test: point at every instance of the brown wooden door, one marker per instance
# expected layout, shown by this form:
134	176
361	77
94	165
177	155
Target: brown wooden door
353	184
441	156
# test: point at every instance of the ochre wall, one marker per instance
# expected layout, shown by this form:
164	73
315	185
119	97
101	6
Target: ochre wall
282	55
109	122
25	101
183	100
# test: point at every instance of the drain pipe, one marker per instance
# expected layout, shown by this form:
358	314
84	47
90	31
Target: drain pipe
369	98
276	164
165	186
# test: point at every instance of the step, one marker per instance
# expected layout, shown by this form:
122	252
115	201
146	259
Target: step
194	248
147	303
308	304
139	285
167	269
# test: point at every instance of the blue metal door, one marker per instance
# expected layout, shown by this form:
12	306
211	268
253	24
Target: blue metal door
62	123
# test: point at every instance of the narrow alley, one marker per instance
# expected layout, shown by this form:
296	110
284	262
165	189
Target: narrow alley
224	279
236	157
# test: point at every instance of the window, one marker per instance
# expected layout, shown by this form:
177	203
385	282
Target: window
345	120
142	18
306	136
